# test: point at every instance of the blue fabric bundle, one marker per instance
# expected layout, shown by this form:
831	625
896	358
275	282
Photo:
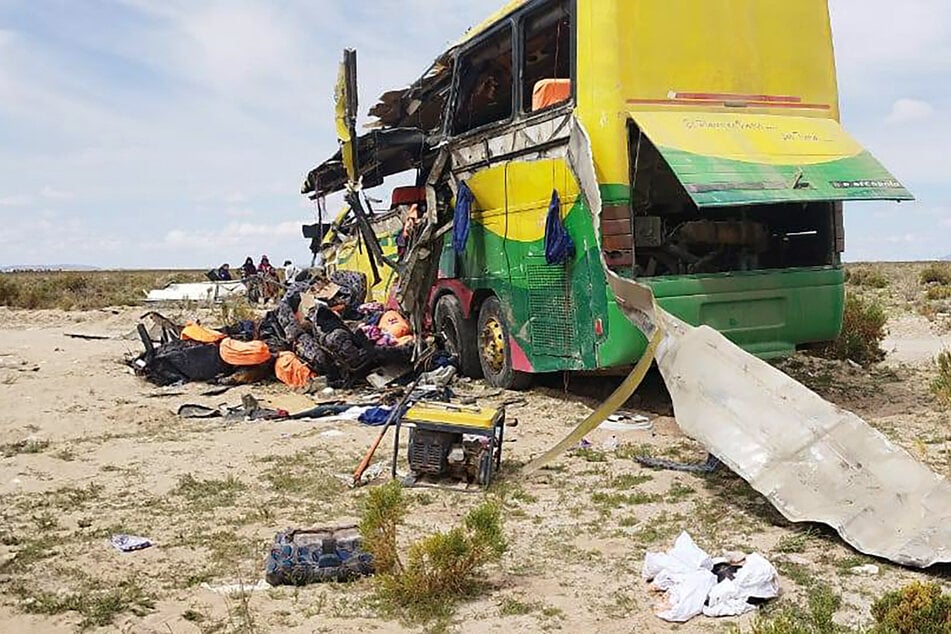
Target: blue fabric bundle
460	221
559	247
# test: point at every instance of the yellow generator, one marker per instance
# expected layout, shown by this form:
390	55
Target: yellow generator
454	441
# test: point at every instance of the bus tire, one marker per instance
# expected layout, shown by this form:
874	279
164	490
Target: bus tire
460	334
495	352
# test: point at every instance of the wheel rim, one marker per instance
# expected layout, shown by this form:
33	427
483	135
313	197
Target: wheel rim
493	345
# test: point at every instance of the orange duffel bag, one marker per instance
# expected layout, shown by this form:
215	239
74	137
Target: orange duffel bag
194	332
243	353
292	371
392	323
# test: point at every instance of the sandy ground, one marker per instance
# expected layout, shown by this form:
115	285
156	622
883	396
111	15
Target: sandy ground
89	450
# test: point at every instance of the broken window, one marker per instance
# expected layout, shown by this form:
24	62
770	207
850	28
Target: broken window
546	57
485	93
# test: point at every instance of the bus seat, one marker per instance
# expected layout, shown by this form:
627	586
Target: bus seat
408	196
550	92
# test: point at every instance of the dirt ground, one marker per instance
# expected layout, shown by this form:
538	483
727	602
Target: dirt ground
87	450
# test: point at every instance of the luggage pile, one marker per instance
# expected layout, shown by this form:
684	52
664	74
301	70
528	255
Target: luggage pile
321	328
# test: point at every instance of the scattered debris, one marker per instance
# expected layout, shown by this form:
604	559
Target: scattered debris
87	336
626	422
869	570
709	466
236	588
695	583
129	543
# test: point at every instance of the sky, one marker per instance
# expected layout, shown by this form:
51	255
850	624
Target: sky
176	133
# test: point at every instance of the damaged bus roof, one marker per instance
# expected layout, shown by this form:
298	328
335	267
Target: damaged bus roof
417	107
381	154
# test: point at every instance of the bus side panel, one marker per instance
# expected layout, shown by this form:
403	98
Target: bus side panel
767	313
484	262
551	309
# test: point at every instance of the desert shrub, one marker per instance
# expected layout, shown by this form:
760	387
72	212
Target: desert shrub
941	385
70	290
869	278
918	608
863	329
9	290
384	512
440	569
938	293
936	274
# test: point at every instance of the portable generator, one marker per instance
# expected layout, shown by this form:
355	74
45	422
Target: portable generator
453	441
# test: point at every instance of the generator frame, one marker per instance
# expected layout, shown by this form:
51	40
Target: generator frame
495	433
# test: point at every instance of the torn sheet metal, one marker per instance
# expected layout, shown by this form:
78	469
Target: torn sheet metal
813	461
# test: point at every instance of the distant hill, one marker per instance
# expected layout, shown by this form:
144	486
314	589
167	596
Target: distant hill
46	267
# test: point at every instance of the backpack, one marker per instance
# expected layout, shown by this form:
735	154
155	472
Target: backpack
178	361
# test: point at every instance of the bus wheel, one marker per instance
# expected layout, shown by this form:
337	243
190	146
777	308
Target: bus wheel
495	353
460	334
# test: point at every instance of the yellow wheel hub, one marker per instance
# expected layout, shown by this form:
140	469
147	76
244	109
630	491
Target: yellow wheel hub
493	344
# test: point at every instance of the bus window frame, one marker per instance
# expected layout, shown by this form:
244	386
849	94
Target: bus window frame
515	23
458	59
520	30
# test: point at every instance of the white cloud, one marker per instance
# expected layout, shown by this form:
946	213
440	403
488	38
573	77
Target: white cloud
910	111
874	34
56	194
16	200
232	235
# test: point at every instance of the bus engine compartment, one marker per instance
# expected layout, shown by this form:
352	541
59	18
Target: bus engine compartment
664	233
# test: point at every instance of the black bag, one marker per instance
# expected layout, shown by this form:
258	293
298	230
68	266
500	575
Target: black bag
179	361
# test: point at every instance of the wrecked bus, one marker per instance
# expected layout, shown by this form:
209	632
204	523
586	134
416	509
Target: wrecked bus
721	164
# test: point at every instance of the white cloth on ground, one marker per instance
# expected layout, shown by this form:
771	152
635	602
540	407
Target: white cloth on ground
685	573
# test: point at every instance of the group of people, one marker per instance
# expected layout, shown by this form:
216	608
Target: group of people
248	269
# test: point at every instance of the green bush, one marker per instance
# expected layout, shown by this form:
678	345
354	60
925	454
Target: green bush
938	293
869	278
936	274
918	608
863	329
441	569
9	290
384	513
941	385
